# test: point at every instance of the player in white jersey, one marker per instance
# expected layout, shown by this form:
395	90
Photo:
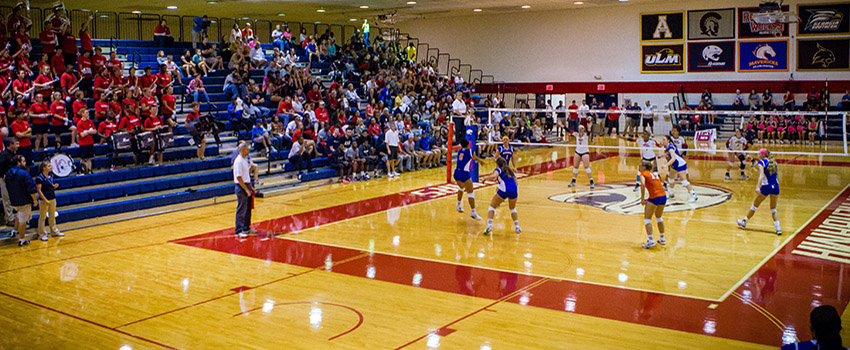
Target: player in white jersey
737	145
676	166
679	141
648	146
582	154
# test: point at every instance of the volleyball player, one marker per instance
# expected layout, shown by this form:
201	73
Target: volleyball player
647	146
507	189
767	186
654	206
676	166
582	154
463	180
736	146
507	152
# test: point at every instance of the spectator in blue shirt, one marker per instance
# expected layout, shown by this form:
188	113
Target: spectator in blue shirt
199	29
22	195
259	135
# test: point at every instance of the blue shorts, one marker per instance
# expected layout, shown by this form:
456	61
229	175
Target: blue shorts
506	195
658	200
682	167
769	190
461	176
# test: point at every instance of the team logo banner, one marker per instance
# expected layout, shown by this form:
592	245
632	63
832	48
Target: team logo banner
664	26
824	19
748	28
823	54
711	24
714	56
763	56
662	58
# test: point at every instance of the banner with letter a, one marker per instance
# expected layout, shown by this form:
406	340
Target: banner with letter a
763	56
711	24
662	26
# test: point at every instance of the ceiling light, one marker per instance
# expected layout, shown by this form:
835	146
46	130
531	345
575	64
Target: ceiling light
578	3
526	6
172	7
320	10
137	12
411	2
281	15
245	18
364	6
476	10
624	0
353	20
317	22
211	2
104	16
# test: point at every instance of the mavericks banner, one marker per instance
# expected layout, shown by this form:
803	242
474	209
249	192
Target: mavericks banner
711	56
662	58
763	56
824	19
823	54
662	26
748	28
711	24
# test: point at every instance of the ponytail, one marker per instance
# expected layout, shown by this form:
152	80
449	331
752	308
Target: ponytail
771	163
503	166
826	327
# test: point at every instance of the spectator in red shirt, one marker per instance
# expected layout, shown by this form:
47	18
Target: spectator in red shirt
105	131
168	101
86	129
322	113
85	38
147	105
44	83
199	138
162	35
98	60
48	40
314	95
68	43
21	86
163	80
84	66
60	123
131	80
613	122
20	40
102	83
101	108
22	131
68	82
57	63
147	80
154	124
39	112
113	63
130	123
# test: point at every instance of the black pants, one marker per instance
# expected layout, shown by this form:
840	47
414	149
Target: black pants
243	210
299	161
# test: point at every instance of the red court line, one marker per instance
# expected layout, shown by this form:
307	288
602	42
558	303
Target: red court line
86	321
81	256
359	315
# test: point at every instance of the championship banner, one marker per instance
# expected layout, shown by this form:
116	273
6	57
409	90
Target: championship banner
712	56
662	58
763	56
662	26
823	54
711	24
748	28
824	19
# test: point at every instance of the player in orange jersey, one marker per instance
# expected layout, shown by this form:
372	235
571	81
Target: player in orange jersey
650	181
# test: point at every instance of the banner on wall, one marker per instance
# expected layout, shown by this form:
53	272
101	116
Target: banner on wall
748	28
711	24
662	26
763	56
712	56
662	58
823	54
824	19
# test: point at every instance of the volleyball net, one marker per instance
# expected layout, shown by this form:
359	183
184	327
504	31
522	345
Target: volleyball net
795	133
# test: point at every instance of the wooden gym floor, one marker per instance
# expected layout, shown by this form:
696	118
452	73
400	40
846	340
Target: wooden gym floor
391	264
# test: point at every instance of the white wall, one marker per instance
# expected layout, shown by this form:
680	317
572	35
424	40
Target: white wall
575	45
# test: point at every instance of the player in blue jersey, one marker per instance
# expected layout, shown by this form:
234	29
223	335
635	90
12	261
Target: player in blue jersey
465	157
825	324
507	152
767	186
676	166
507	189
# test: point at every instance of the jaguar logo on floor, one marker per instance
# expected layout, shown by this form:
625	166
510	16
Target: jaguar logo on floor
621	198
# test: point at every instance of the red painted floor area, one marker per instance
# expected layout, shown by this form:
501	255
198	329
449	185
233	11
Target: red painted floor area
787	285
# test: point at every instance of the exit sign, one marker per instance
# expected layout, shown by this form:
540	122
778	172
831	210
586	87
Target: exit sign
600	87
550	87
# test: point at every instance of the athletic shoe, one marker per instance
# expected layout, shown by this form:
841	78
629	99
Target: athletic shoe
344	181
241	235
57	234
648	244
517	229
592	185
744	177
665	187
251	231
779	232
572	184
637	187
23	242
487	230
460	208
693	199
671	195
662	241
728	177
43	238
742	223
75	145
113	168
475	216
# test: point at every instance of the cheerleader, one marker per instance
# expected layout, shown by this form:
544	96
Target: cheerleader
767	186
463	180
736	145
647	146
654	206
761	128
771	129
813	130
507	189
506	151
582	153
676	166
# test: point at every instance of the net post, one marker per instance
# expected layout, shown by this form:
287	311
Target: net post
490	125
449	150
844	130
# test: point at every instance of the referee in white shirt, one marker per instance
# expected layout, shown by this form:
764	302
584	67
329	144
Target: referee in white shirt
244	191
458	116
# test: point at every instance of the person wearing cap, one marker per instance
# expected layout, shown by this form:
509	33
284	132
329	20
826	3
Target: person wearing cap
260	136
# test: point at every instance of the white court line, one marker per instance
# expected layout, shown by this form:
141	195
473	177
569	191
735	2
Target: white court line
781	246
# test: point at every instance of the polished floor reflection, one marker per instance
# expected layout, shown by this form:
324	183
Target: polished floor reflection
391	264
